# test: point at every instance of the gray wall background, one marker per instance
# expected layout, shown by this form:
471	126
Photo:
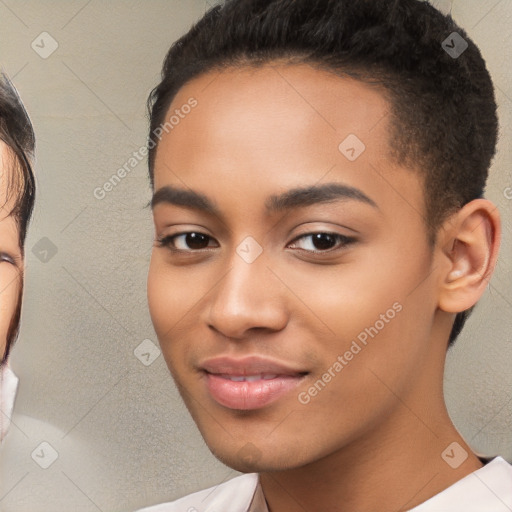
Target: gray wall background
116	427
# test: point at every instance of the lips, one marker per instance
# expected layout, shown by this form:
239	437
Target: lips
249	383
248	378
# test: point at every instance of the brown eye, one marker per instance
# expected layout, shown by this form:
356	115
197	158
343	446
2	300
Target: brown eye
186	242
196	240
321	242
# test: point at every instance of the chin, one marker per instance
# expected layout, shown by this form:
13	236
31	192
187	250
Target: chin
243	465
250	459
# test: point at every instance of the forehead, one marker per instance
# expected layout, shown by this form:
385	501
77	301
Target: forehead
282	104
278	126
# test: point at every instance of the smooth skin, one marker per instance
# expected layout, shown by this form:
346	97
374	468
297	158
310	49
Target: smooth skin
372	439
11	259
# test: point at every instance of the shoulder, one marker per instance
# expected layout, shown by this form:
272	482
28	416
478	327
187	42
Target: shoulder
232	496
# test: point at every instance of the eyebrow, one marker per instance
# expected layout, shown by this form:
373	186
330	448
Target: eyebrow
294	198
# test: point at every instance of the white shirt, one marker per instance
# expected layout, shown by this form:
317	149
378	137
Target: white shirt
488	489
8	385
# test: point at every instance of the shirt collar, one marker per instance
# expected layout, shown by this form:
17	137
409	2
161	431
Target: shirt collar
258	503
488	488
8	386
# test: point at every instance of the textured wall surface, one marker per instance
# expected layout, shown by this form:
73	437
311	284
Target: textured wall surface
119	432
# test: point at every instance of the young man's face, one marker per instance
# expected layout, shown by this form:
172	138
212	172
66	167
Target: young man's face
291	321
10	252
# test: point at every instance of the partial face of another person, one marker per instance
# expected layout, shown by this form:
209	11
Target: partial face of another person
11	258
291	276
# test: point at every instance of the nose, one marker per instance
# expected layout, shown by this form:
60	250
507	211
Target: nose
248	298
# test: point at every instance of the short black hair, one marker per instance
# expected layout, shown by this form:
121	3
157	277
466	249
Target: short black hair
443	119
17	133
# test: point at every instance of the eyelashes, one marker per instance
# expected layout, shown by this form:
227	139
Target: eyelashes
195	238
4	257
317	242
324	238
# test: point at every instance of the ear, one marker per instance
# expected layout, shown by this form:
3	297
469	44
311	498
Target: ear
469	242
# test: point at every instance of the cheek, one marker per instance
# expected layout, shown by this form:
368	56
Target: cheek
382	322
10	288
167	295
345	299
377	301
174	294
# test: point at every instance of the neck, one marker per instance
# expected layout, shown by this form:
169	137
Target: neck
397	473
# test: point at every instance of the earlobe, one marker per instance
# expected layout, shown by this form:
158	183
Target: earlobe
470	250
